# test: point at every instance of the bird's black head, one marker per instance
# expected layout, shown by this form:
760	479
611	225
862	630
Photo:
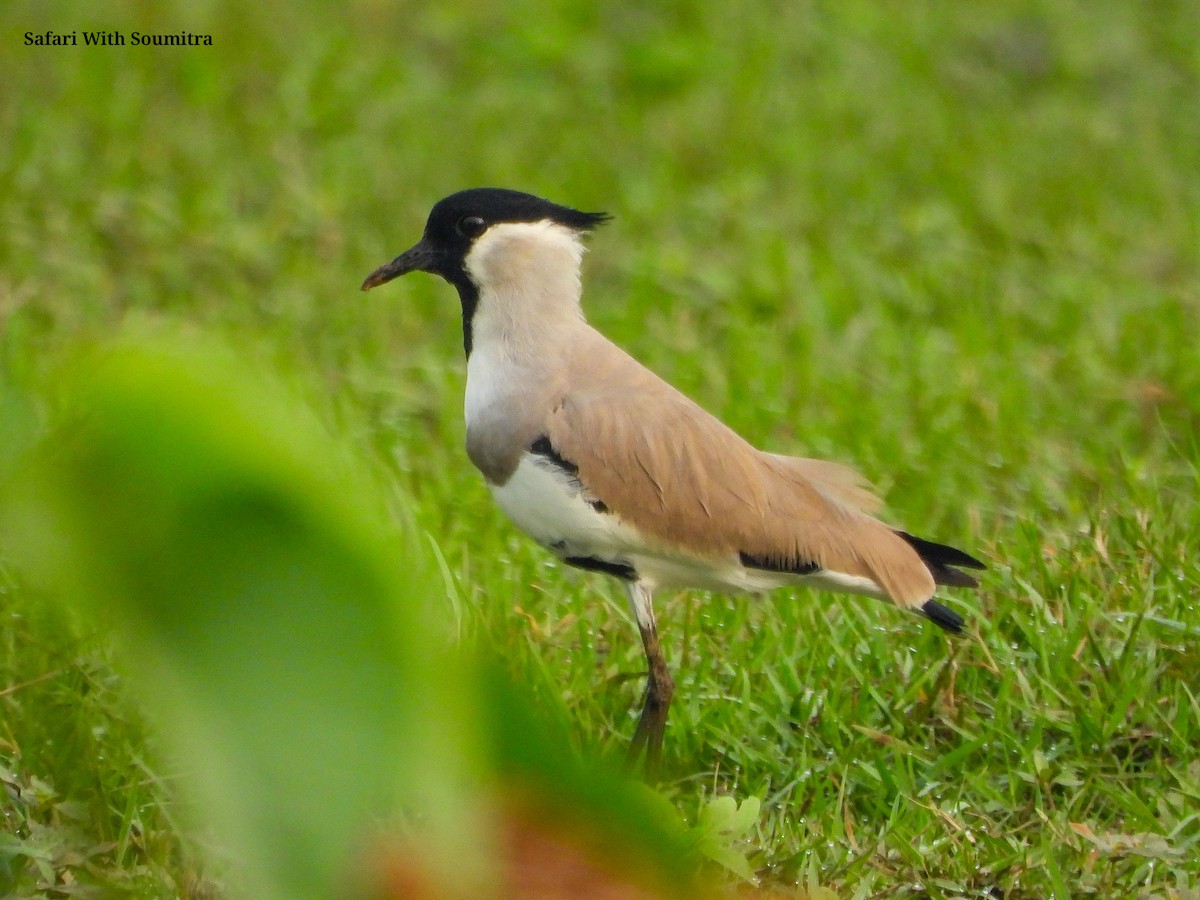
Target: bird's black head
457	222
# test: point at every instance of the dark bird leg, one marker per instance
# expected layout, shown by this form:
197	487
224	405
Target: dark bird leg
660	687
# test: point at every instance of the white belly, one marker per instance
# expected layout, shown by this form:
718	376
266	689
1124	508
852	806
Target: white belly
552	508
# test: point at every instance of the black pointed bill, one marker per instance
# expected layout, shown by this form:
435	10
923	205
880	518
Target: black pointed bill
420	258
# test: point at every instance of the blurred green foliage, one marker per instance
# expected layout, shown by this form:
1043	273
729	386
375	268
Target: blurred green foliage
268	619
283	631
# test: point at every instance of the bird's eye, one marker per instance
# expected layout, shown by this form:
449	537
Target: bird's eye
471	226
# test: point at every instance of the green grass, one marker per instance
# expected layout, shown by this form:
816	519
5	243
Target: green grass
956	247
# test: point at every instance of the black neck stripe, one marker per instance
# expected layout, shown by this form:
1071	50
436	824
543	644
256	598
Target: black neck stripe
468	295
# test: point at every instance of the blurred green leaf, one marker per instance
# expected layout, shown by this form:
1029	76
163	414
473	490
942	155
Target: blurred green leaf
202	509
722	824
282	627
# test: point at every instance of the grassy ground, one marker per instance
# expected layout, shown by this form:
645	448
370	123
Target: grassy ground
957	247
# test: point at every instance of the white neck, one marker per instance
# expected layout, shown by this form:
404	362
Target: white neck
524	325
529	288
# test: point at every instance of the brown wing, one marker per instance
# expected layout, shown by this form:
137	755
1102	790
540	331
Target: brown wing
684	479
840	482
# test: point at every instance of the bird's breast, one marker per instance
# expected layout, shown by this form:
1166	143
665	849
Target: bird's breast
501	413
493	381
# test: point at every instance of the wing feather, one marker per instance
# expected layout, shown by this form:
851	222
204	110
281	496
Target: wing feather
684	479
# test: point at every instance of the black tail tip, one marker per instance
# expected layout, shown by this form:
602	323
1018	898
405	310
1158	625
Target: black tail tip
941	561
943	616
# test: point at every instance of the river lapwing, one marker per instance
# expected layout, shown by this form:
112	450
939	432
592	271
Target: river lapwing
613	470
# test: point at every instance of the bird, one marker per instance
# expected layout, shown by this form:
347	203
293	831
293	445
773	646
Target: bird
613	470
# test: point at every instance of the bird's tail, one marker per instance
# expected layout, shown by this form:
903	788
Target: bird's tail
944	565
943	562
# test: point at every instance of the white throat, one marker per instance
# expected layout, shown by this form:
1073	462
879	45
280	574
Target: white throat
528	279
528	311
